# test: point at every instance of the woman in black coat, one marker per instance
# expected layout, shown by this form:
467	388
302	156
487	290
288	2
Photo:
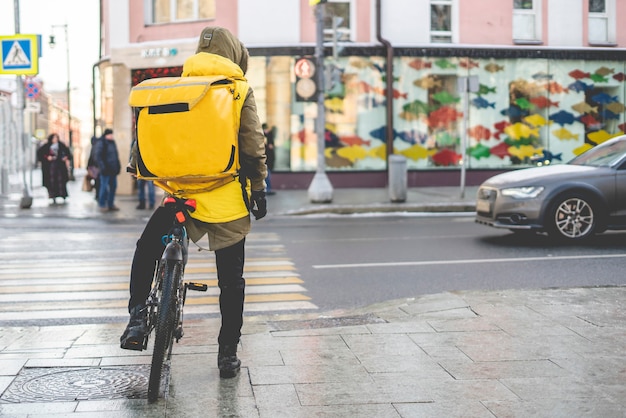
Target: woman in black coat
54	156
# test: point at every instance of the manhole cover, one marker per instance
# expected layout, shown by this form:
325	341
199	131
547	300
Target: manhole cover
70	384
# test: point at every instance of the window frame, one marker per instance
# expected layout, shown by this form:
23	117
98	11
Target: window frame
150	9
608	19
350	30
438	33
524	14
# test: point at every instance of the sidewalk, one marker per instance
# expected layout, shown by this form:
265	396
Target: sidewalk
515	353
284	203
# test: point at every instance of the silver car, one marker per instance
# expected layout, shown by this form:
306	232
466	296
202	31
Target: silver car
572	201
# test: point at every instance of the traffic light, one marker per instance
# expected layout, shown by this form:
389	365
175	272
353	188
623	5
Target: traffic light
306	80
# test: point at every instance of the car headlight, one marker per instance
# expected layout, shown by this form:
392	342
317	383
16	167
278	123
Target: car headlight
522	192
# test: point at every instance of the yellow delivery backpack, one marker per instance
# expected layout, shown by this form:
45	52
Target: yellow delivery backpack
187	129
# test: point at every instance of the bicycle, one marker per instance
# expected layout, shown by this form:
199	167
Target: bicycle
168	294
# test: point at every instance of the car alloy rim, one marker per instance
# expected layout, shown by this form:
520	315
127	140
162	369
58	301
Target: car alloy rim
574	218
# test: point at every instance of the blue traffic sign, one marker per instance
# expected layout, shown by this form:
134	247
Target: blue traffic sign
19	54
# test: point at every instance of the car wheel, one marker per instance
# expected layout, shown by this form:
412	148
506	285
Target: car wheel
573	218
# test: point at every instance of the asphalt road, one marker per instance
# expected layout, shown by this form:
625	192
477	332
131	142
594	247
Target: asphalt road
349	262
64	270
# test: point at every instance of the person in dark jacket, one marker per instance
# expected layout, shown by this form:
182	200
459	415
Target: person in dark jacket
54	156
108	161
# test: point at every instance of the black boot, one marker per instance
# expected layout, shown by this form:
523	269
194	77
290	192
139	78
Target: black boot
227	361
135	332
141	205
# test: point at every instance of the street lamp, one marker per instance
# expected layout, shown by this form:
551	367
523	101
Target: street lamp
52	44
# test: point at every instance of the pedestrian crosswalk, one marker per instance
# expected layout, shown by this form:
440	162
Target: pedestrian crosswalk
82	283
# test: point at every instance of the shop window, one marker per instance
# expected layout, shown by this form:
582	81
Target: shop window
526	21
441	21
601	22
167	11
338	18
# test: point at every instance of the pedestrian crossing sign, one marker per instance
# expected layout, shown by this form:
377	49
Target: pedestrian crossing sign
19	54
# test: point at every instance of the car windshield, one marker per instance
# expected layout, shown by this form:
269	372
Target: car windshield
603	155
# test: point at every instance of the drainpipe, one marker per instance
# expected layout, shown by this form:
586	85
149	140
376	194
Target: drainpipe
389	82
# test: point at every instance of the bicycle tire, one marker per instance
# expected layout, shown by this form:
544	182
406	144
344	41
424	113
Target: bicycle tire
171	272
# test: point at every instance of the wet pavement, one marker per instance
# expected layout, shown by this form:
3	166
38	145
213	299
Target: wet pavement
513	353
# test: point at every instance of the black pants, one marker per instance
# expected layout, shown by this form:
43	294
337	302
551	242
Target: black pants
229	261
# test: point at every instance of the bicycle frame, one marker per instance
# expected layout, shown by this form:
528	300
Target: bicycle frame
168	294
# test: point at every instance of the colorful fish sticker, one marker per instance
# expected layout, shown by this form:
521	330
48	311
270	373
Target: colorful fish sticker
446	157
417	152
615	107
542	102
600	136
512	112
484	89
523	103
589	121
619	76
468	63
443	116
417	107
604	71
555	88
604	98
479	151
606	114
578	74
598	78
520	130
444	64
354	140
445	98
562	118
352	153
501	150
481	103
583	148
479	132
420	64
524	151
565	134
493	67
579	86
427	82
535	120
412	137
542	76
584	107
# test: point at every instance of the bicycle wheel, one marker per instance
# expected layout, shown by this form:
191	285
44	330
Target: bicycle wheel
170	272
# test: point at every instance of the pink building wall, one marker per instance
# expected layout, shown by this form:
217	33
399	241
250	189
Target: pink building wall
226	16
494	17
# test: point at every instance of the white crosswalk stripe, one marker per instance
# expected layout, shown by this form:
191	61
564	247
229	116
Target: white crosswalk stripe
86	282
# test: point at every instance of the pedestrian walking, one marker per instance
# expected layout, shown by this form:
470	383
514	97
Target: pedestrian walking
54	157
142	185
223	209
108	161
269	133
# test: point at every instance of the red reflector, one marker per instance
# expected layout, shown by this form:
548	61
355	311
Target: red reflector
180	217
169	199
191	203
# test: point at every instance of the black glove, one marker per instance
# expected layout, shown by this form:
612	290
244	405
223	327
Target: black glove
258	205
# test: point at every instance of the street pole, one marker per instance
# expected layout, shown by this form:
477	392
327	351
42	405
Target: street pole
320	190
27	199
67	91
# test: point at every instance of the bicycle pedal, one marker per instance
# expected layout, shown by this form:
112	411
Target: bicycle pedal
201	287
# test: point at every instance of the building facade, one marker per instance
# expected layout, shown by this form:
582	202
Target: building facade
489	84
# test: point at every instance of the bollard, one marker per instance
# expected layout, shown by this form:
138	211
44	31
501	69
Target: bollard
397	178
